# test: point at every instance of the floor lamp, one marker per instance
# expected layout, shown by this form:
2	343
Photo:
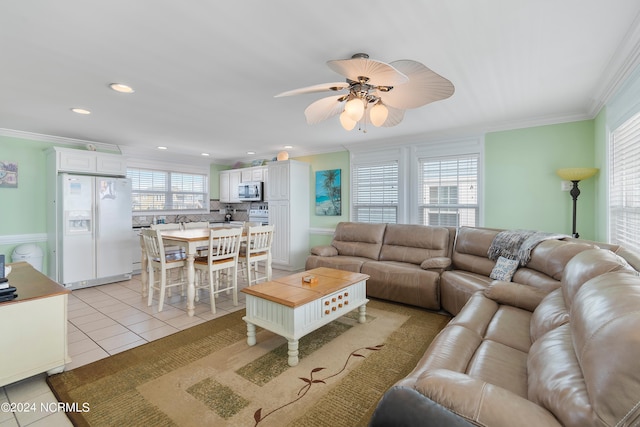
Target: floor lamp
575	175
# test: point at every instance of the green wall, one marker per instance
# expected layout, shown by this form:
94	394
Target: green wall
521	188
23	209
319	162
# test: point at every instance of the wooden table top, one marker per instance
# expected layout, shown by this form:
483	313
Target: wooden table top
291	291
31	284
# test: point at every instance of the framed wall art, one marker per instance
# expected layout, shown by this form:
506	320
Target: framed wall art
8	174
328	193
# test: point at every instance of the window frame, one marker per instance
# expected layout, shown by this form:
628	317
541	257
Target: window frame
173	170
619	194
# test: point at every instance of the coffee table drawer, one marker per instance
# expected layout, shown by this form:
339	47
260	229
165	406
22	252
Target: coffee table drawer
337	302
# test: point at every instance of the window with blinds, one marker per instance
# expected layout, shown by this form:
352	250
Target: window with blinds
448	192
159	190
624	184
375	192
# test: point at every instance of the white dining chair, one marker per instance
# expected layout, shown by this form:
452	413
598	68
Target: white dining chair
222	256
161	264
257	249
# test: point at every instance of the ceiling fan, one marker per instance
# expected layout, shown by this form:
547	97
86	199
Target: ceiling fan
374	92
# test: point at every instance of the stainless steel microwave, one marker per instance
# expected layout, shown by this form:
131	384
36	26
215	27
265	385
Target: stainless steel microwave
250	191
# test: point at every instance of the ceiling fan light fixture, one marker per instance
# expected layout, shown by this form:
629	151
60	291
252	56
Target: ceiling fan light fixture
378	114
346	121
354	108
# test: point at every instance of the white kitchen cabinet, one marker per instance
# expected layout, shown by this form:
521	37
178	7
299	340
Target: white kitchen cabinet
229	181
225	193
252	174
89	162
288	188
235	178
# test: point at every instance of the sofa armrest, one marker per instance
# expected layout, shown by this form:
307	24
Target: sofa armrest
436	263
515	294
324	250
481	402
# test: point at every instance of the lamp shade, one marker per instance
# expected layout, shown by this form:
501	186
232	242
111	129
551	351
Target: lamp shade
354	108
282	156
378	114
346	121
576	174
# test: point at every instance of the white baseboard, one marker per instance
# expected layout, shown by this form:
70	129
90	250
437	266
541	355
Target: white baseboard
16	239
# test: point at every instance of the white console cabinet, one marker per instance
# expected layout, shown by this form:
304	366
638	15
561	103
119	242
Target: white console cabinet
35	332
288	189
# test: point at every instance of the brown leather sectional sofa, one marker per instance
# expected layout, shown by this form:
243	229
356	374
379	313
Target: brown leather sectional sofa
557	345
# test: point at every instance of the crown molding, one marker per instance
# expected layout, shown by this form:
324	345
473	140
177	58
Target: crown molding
32	136
624	61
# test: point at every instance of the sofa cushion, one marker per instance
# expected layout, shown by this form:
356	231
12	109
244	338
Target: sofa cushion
403	282
471	248
587	371
414	243
604	321
457	286
480	401
515	294
504	269
551	256
437	262
359	239
324	250
550	313
586	265
347	263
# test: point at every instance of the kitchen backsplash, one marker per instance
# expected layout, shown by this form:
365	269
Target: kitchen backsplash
238	211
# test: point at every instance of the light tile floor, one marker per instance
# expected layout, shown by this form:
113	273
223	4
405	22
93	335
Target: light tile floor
105	320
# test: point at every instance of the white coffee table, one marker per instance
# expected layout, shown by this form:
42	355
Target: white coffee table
291	308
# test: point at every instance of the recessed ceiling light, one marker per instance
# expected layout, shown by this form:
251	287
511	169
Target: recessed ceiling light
80	111
162	148
204	154
288	146
122	88
251	152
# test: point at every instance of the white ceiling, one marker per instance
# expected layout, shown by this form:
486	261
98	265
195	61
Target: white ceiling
206	72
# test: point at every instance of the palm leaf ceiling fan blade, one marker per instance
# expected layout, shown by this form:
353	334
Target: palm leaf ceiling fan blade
324	108
394	118
424	86
379	73
315	88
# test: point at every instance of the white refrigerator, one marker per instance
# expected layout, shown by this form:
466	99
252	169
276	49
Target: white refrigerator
94	230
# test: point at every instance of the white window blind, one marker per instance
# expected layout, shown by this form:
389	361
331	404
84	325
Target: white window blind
375	192
158	190
624	184
448	193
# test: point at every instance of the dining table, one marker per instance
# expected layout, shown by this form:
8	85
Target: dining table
189	239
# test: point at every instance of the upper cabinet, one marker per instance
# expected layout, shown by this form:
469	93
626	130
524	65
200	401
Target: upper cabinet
89	162
232	178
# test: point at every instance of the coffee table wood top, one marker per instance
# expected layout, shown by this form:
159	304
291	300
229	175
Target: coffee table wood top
291	291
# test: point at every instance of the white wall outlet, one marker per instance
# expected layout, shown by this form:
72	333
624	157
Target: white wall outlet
565	185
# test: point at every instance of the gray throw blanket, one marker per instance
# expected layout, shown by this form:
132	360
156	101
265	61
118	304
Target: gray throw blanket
518	244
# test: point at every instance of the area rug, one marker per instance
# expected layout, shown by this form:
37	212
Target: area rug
208	375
